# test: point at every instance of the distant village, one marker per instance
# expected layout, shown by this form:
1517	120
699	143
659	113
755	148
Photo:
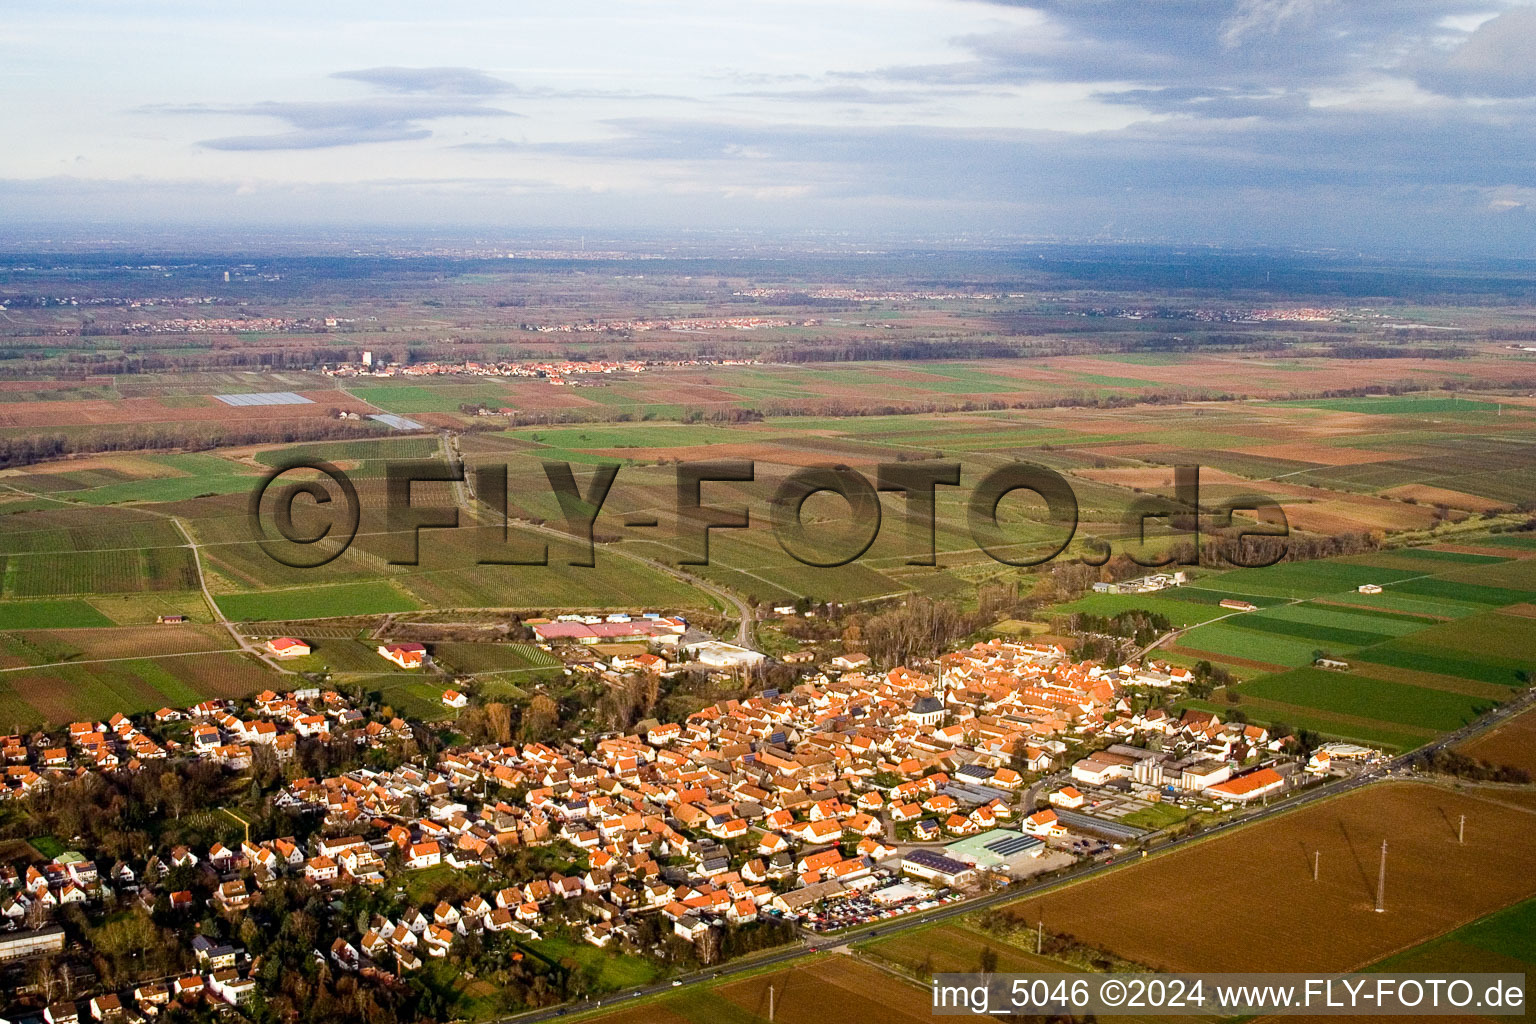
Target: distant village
558	372
850	796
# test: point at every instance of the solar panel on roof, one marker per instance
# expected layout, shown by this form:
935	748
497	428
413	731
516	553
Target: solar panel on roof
1010	845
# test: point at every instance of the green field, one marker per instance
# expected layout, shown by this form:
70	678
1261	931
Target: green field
1410	405
1325	636
610	970
195	474
1369	731
642	435
110	571
344	655
1445	557
409	398
1179	613
316	602
1378	623
411	696
1520	541
1301	579
356	451
49	615
1490	647
1440	664
1350	694
474	658
1503	941
1223	638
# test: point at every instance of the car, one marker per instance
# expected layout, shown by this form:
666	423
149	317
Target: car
675	983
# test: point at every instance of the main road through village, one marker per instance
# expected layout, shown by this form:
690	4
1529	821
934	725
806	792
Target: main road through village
810	943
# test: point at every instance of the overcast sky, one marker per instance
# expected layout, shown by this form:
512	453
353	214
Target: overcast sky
1359	123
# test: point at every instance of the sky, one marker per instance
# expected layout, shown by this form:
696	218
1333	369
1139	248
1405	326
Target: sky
1370	124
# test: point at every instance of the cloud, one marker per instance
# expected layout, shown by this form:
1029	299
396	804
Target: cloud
1215	102
836	94
1269	17
321	124
434	81
1245	45
1497	60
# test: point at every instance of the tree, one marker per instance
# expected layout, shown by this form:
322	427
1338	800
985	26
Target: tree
173	792
540	719
498	718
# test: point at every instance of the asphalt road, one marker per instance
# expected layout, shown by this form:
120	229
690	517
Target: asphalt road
809	946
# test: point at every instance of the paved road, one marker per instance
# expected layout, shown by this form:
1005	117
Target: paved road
807	947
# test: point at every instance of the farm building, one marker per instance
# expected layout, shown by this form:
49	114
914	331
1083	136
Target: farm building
935	867
1001	848
1204	775
1238	606
287	647
408	655
598	631
718	654
1369	588
1246	788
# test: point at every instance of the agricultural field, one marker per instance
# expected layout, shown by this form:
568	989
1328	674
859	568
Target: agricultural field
1433	885
953	947
65	693
49	614
1512	744
98	539
1447	639
350	454
317	602
812	992
345	657
1504	941
477	658
145	608
610	970
1349	693
410	695
140	478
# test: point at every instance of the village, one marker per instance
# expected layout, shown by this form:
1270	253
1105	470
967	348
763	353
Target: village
574	372
852	796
